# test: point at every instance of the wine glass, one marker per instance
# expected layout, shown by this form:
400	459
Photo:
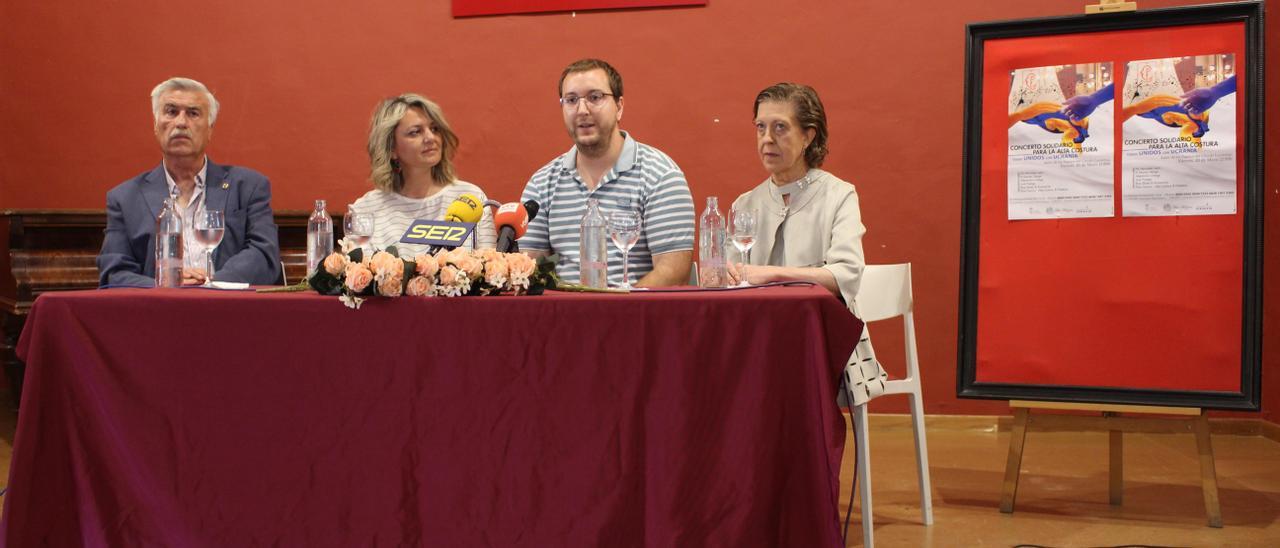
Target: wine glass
624	230
742	228
209	228
357	228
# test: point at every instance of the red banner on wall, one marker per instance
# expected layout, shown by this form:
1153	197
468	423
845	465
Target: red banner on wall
465	8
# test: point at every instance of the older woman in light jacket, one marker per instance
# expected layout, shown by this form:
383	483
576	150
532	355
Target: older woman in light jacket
810	228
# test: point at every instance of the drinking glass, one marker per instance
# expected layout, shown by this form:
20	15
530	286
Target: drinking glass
624	230
357	228
742	229
209	228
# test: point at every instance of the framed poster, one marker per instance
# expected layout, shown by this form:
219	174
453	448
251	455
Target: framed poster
1112	224
466	8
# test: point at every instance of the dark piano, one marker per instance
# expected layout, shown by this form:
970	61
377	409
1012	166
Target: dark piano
43	250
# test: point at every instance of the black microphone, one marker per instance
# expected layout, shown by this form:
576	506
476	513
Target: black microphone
512	220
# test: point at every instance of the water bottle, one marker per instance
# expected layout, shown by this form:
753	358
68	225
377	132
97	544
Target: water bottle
319	237
711	235
169	245
593	258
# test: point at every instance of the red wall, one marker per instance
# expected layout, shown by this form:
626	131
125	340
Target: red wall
298	81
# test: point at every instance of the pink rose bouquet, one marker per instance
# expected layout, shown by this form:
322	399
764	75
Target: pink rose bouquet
356	276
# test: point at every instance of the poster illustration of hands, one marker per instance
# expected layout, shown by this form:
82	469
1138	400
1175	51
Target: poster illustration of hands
1179	135
1061	142
1144	132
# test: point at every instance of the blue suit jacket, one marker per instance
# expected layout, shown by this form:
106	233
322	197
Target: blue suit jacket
250	248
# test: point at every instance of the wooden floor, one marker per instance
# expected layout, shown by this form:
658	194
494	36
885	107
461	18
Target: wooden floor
1062	495
1062	498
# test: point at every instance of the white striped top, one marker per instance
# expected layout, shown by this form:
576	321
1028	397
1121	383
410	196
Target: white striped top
644	180
393	213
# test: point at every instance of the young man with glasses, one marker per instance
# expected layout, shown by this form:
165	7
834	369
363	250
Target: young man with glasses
608	165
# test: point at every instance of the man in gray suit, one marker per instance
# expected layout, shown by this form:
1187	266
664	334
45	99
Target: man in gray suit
185	112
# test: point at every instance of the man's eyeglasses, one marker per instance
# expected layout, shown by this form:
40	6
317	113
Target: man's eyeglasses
594	100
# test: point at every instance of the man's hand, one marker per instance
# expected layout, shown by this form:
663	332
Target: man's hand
193	276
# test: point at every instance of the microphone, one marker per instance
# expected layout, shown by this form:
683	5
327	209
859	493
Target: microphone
466	209
512	220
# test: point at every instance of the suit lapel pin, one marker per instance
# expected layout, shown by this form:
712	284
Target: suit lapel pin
225	185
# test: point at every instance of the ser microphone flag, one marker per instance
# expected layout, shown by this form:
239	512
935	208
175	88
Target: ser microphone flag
460	221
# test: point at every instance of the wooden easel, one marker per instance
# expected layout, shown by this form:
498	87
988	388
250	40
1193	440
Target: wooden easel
1177	419
1110	6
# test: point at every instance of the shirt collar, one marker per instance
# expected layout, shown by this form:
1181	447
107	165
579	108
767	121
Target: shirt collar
200	177
626	159
795	188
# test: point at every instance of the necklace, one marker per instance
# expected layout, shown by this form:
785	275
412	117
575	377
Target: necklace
795	186
788	190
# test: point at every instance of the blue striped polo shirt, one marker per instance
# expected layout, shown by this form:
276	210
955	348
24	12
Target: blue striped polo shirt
643	180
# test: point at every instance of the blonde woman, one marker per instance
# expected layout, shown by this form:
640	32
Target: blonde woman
411	148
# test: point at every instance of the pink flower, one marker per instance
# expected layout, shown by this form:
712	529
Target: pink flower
453	282
520	265
472	266
443	258
384	264
358	277
463	260
391	286
420	286
335	263
425	265
495	270
449	275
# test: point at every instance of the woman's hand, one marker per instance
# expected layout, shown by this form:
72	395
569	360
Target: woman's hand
763	274
755	274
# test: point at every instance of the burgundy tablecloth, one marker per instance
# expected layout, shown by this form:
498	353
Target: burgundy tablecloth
203	418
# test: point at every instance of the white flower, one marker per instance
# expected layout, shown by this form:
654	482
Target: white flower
351	301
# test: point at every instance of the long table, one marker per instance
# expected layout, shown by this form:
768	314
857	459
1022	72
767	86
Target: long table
190	417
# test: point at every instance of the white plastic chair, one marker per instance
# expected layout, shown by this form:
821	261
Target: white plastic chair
886	293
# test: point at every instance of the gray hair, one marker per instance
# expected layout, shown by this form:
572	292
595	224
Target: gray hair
183	84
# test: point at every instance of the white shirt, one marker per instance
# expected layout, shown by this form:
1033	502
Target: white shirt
192	250
393	213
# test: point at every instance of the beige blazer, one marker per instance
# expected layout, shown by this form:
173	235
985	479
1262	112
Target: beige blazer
821	227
